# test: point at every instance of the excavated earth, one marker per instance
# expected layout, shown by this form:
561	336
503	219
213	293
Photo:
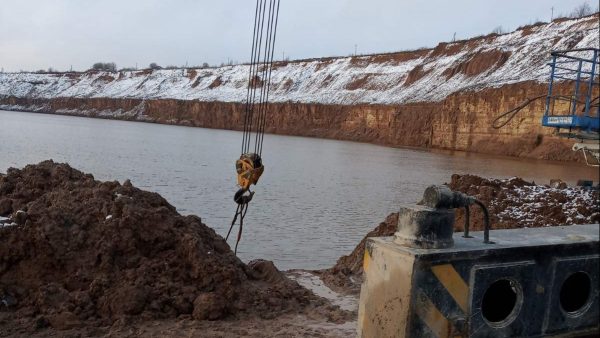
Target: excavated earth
76	252
512	203
516	203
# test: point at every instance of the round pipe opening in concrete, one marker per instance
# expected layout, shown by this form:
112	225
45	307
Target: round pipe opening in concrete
501	302
575	293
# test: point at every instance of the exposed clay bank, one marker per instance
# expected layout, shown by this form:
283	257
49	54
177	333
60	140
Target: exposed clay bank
460	122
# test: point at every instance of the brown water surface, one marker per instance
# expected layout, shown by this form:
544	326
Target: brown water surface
315	201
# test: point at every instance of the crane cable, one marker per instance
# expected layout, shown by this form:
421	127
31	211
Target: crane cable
499	123
263	43
509	115
249	167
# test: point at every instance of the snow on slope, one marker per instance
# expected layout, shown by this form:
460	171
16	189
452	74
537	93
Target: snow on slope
432	74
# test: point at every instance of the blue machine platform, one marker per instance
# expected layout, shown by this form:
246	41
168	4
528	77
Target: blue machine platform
579	111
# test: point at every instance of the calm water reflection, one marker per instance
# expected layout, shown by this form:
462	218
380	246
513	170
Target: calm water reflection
314	203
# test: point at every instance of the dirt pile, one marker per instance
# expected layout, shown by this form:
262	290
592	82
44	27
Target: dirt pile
84	250
516	203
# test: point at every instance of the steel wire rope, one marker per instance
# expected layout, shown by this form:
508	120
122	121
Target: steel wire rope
267	66
261	78
253	82
247	106
254	71
496	124
262	128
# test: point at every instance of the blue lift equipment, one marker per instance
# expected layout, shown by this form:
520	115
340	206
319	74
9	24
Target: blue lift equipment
580	110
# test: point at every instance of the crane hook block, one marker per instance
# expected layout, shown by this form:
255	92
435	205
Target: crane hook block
249	168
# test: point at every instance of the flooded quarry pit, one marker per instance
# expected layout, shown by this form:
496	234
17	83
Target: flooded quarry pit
306	217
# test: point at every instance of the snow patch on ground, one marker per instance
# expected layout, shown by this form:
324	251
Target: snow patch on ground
6	222
316	285
529	204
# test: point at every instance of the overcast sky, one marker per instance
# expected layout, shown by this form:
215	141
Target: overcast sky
37	34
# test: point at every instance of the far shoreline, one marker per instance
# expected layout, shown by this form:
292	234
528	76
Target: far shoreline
451	152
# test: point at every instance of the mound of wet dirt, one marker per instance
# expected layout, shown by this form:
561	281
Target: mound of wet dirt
75	249
516	203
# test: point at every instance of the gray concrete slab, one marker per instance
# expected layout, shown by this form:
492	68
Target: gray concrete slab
510	239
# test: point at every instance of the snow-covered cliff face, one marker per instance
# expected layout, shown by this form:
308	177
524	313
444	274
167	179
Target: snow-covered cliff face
404	77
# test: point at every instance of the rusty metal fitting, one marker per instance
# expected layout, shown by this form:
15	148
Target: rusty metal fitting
430	223
440	196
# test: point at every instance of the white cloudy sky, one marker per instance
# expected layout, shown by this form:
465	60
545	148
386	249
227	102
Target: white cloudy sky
37	34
